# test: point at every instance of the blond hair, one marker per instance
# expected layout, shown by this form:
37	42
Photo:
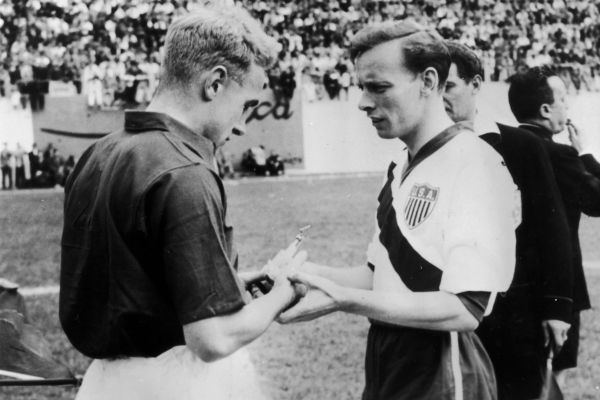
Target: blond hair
211	36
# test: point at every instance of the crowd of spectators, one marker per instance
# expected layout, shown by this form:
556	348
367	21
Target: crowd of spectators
23	169
110	49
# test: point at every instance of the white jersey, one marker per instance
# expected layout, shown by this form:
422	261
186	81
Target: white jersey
446	222
458	209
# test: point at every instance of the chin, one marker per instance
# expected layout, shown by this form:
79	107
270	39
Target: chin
386	134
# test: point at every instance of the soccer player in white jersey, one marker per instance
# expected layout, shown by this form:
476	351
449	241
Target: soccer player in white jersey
444	244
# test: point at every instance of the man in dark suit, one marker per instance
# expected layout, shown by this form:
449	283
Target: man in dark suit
537	98
537	306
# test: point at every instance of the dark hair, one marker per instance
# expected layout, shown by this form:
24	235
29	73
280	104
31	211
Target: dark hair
421	48
528	91
467	62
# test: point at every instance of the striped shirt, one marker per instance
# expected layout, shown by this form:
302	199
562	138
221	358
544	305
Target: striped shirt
446	221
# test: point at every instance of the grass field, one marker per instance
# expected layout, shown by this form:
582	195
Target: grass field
317	360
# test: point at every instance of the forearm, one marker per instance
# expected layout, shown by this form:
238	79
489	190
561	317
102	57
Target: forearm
223	335
424	310
360	277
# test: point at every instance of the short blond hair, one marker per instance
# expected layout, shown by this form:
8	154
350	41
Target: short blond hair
211	36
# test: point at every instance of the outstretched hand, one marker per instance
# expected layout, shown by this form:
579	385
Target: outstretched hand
323	297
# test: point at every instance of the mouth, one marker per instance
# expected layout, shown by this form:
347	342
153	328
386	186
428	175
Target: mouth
376	121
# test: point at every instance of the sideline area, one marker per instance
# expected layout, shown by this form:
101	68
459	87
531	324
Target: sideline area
592	268
338	138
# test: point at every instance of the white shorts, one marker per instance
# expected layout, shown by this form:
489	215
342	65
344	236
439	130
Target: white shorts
175	374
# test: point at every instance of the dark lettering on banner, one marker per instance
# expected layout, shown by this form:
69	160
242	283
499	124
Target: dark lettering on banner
279	110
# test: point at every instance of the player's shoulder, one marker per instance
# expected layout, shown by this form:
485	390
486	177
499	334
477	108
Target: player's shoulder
468	149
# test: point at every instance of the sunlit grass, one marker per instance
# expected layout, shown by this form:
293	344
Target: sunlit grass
318	360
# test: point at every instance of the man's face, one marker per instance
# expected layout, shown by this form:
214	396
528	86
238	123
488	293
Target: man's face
390	93
235	104
459	97
558	109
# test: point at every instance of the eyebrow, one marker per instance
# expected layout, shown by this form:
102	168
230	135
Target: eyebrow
375	82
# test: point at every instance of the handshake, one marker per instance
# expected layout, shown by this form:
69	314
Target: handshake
313	296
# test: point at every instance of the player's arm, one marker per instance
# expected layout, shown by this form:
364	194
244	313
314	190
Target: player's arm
217	337
425	310
358	277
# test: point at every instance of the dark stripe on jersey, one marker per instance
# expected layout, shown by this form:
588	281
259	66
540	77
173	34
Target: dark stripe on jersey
417	274
434	144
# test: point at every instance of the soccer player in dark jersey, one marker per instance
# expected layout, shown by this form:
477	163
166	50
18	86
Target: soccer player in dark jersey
149	281
444	237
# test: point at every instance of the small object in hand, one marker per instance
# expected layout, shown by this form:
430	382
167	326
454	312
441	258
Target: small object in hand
300	236
263	284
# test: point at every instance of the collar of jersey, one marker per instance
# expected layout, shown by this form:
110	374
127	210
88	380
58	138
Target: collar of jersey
433	145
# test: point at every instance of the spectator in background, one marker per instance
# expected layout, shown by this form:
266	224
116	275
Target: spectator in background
345	81
513	32
35	162
287	81
93	76
22	172
6	162
4	81
331	81
274	76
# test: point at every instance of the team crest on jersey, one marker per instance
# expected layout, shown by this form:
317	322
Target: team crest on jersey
421	200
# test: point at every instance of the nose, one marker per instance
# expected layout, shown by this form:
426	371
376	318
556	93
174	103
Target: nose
365	103
238	130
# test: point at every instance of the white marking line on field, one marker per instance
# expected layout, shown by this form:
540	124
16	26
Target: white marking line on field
301	176
590	266
17	375
38	291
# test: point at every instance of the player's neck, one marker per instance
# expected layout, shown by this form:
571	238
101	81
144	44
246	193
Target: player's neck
434	121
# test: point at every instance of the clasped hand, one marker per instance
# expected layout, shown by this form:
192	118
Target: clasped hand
275	273
314	296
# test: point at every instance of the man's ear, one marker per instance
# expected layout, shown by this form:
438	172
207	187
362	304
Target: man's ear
430	81
477	82
545	111
214	82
